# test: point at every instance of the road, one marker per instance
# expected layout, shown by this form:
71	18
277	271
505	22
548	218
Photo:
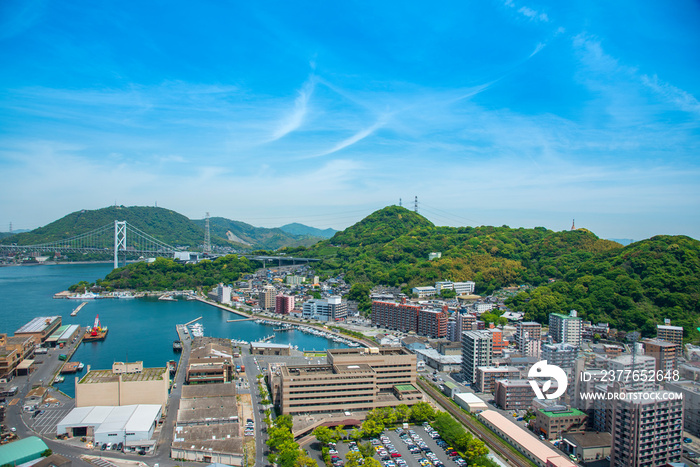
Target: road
251	371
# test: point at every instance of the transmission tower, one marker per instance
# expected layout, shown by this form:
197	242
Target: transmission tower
399	206
207	236
10	227
415	205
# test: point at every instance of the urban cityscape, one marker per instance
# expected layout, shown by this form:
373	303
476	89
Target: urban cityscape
349	234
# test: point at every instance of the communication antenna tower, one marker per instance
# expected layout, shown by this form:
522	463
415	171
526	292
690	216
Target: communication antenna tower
399	206
207	235
415	205
573	224
10	227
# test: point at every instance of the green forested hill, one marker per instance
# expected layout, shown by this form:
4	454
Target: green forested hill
634	287
165	225
257	237
166	274
391	247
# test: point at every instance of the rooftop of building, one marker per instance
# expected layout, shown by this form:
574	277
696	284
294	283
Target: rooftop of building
107	376
203	409
496	369
589	439
368	351
571	412
405	388
269	345
208	390
38	324
559	315
667	327
208	438
11	452
660	343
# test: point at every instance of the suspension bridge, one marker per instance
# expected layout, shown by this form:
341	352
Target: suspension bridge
112	239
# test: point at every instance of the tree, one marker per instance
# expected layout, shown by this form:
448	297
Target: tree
422	412
371	462
305	461
366	449
323	434
353	459
372	428
339	433
403	413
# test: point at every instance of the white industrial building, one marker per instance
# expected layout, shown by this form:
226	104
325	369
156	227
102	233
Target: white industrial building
132	425
469	401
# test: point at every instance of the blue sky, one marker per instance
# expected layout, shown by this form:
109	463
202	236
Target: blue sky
495	112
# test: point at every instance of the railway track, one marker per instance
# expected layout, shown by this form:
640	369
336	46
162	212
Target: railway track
494	442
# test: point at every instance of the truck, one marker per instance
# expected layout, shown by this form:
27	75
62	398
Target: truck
242	368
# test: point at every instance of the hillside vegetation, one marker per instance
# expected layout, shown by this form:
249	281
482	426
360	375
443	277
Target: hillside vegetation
632	287
165	225
255	237
166	274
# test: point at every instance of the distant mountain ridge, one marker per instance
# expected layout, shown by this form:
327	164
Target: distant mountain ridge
296	228
167	226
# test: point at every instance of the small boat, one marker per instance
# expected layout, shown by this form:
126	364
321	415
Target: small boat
85	296
59	379
177	346
172	367
81	365
167	298
197	330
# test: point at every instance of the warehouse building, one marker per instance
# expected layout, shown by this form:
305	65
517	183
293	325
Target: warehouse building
132	425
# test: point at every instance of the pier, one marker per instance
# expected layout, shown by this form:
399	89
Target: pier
194	320
237	320
78	308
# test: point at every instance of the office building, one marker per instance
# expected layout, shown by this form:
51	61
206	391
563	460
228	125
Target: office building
267	298
566	329
556	421
647	430
284	304
667	333
477	350
223	294
210	363
353	380
423	292
331	309
464	288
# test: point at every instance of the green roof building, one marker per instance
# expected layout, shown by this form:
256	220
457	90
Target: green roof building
21	451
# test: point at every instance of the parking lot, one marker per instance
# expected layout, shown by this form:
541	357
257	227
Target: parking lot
405	457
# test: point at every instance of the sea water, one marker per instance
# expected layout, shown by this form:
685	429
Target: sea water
141	329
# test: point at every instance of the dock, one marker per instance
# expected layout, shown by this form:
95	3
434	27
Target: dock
78	308
237	320
182	332
268	338
70	367
194	320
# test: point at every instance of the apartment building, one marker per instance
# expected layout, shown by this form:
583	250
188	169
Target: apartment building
664	352
498	342
284	304
267	298
691	403
477	350
647	430
561	355
642	364
525	332
516	394
667	333
397	316
432	323
486	377
566	328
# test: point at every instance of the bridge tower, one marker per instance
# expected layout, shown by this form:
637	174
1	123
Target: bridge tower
119	241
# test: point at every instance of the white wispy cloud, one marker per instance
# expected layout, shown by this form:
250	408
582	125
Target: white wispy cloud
528	12
678	97
296	118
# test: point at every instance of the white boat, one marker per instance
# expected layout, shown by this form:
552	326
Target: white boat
81	365
84	296
197	330
124	295
167	298
59	379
